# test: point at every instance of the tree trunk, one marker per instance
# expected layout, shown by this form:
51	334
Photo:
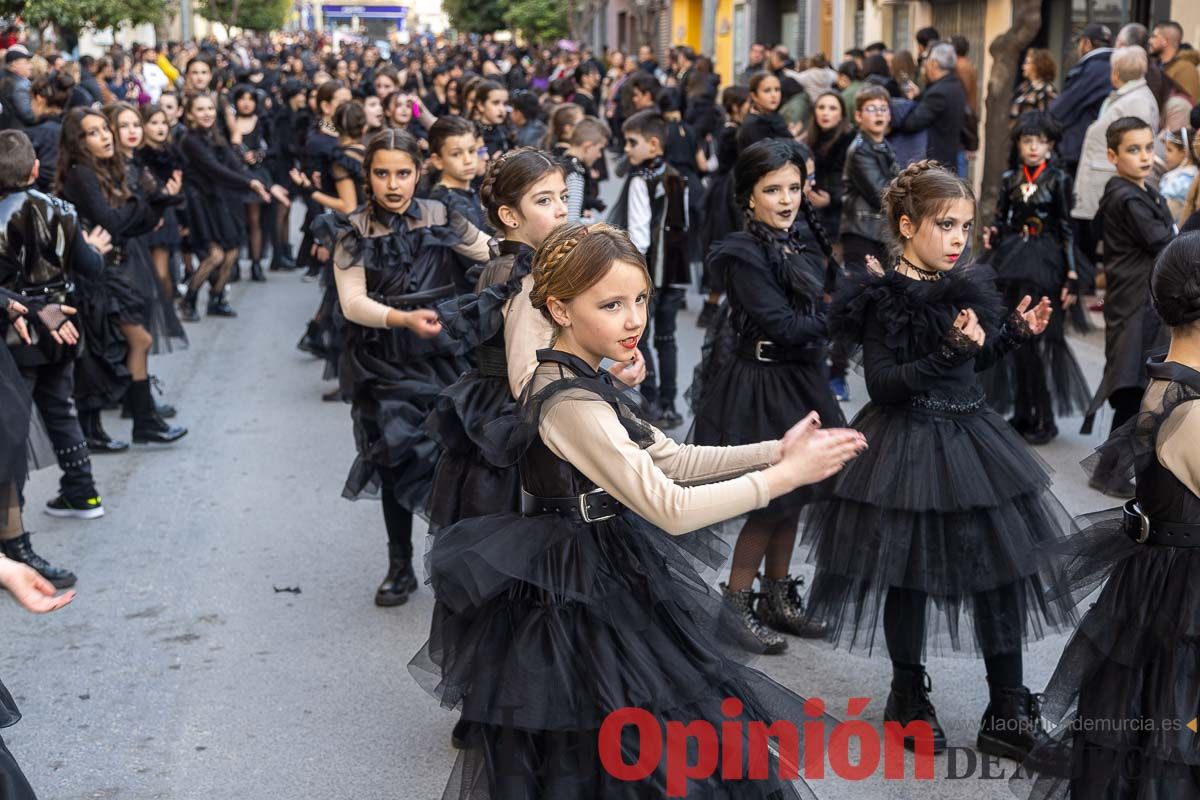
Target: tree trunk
1006	51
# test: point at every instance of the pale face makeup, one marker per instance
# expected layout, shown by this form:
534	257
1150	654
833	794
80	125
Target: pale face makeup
776	198
541	209
938	242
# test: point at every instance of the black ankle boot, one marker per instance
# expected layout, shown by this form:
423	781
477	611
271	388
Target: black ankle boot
400	581
908	701
256	272
98	440
148	426
187	307
218	306
19	550
742	603
165	410
281	259
311	342
782	608
1012	723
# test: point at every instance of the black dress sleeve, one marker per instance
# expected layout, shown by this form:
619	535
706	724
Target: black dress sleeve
1066	232
765	302
135	216
203	164
864	174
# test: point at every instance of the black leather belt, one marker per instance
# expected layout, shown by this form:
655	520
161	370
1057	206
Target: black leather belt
769	352
408	302
492	361
48	291
1144	530
594	506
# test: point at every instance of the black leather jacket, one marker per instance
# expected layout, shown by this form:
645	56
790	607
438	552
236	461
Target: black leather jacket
1046	212
870	166
40	243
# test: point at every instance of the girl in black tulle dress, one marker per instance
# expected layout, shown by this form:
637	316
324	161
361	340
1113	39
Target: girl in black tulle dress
547	622
765	368
948	510
524	193
394	262
253	149
1033	253
1127	686
118	315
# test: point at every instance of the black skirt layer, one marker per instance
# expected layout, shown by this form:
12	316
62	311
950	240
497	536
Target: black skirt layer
1064	379
155	308
214	218
391	398
101	376
956	506
743	401
167	235
542	628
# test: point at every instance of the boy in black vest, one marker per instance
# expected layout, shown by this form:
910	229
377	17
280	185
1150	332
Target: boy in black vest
653	209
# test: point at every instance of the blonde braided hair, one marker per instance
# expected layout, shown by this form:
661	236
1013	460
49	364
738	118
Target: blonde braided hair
574	257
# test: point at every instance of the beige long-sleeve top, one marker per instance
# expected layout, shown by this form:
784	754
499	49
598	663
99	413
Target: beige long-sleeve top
678	488
526	330
351	279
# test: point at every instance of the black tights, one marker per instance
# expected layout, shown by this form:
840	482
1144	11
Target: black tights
765	537
904	629
398	520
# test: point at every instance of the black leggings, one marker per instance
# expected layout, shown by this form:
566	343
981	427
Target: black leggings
398	520
904	629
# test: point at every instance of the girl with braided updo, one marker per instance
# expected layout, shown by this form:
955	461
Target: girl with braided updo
550	619
1133	657
774	281
393	262
950	512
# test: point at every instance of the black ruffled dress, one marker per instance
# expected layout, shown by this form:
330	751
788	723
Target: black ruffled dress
161	162
1128	682
215	184
948	501
392	376
161	319
763	367
466	483
544	625
1033	255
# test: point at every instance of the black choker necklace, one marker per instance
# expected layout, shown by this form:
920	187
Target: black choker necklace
922	274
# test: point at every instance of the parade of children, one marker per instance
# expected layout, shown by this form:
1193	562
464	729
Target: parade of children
778	431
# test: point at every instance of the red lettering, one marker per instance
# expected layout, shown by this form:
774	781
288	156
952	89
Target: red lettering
649	744
678	768
788	739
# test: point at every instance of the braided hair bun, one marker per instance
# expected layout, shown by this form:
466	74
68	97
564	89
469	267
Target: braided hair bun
922	190
1175	282
575	257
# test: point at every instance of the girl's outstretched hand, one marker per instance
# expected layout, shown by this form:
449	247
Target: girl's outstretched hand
30	589
423	322
810	454
1038	317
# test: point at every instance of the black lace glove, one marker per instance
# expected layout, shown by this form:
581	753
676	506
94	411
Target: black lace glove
51	317
957	347
1016	330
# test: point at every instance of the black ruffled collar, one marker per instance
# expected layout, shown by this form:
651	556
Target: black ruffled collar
511	247
651	169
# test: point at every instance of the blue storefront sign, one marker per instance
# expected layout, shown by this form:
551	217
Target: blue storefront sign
348	12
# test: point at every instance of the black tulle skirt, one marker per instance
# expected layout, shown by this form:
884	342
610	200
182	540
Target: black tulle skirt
391	397
167	235
214	218
543	627
955	506
1128	682
742	401
101	376
466	484
150	305
13	785
1042	370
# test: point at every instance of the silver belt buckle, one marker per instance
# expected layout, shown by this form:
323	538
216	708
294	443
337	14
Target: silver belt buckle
758	354
583	509
1144	535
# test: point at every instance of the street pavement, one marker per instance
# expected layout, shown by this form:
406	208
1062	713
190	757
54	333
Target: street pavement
224	643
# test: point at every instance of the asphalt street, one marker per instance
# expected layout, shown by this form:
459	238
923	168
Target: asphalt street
224	643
